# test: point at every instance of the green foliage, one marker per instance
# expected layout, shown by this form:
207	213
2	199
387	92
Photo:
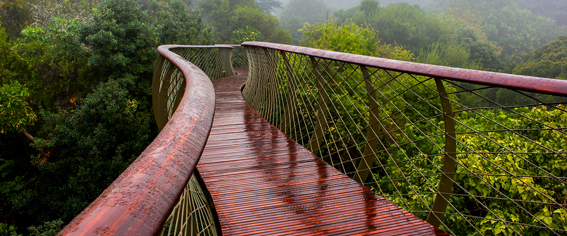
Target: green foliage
179	24
282	36
482	53
341	38
50	228
16	178
344	15
549	60
15	113
555	10
8	230
499	159
299	12
52	62
517	31
245	34
269	5
80	149
15	15
228	16
405	25
254	17
89	147
496	34
10	63
452	55
470	35
369	7
122	42
525	188
350	38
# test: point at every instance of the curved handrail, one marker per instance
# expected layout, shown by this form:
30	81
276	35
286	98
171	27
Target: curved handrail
141	198
527	83
462	149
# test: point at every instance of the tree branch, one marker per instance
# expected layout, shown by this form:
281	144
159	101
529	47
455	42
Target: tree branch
26	133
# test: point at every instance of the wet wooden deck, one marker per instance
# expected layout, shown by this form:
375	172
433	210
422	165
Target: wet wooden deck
262	182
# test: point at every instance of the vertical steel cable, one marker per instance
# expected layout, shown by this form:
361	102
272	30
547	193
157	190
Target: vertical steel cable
239	58
290	99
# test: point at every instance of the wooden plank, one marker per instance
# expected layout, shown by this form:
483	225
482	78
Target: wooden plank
262	182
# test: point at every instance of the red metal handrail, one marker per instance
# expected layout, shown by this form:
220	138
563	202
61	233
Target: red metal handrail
526	83
142	197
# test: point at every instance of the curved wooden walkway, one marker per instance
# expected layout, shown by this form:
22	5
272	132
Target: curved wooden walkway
262	182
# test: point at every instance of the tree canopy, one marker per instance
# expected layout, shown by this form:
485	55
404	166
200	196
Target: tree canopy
549	60
517	31
75	101
350	38
230	17
299	12
553	9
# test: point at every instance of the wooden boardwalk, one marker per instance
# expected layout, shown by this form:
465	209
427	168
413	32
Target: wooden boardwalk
262	182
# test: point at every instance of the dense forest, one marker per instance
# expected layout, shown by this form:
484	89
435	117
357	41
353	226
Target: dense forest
75	75
75	93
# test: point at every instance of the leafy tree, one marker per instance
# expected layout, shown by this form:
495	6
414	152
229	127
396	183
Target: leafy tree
467	20
549	60
10	62
84	145
345	15
299	12
254	17
122	42
8	230
179	24
517	31
17	176
50	228
452	55
43	12
269	6
350	38
480	52
88	148
246	33
541	190
15	15
342	38
282	36
53	60
369	7
405	25
229	16
14	110
553	9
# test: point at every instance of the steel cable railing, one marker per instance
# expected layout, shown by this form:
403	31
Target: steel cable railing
471	152
239	58
168	81
160	192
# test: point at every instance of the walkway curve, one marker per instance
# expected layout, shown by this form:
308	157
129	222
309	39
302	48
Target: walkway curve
262	182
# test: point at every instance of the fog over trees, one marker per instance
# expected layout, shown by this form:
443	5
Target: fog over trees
75	75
